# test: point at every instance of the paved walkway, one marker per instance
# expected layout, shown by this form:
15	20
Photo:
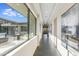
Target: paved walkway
45	49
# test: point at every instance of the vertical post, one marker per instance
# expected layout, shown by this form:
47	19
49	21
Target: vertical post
28	22
35	26
0	27
67	45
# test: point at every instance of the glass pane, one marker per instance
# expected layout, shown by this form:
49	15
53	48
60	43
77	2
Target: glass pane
70	30
31	25
13	26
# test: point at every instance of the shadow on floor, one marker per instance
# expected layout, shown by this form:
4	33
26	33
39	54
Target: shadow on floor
45	49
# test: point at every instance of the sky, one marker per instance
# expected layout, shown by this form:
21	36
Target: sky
6	12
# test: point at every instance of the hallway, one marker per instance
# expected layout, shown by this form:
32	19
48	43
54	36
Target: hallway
45	48
24	28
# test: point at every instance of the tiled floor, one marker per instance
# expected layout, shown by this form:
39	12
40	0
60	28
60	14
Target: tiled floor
45	49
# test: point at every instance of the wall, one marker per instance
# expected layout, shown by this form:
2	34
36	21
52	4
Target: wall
57	15
60	48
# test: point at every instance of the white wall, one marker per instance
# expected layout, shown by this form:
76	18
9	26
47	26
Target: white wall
60	11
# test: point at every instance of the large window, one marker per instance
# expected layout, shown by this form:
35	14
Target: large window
17	25
32	25
70	30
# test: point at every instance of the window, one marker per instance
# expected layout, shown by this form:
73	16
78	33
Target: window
32	25
21	28
70	30
15	26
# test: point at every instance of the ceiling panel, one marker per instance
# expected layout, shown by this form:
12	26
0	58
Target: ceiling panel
46	10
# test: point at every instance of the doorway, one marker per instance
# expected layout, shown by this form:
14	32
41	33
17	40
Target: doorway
45	30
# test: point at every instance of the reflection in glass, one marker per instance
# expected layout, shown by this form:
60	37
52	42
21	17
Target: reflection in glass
70	30
14	25
32	26
13	28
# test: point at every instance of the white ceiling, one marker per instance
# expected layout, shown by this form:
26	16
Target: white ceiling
46	11
49	11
